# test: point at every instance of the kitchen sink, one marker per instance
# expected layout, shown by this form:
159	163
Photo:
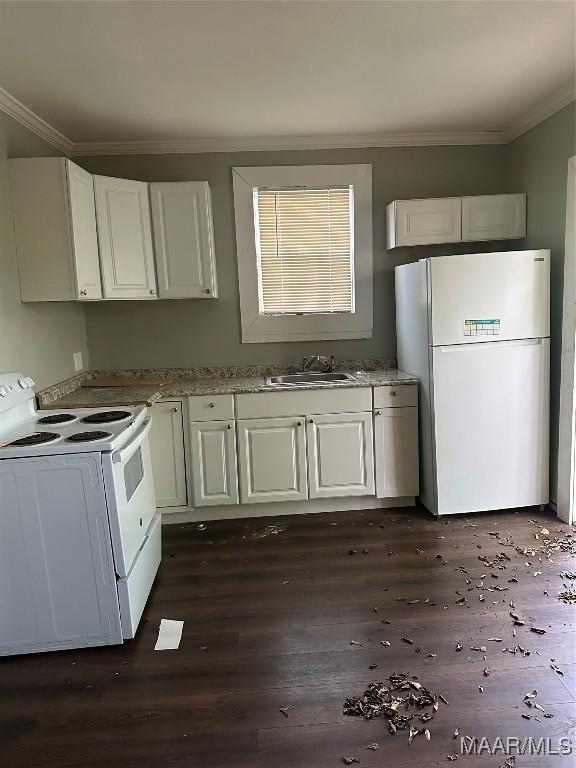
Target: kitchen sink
309	377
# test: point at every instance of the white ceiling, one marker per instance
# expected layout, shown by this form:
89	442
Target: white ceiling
174	71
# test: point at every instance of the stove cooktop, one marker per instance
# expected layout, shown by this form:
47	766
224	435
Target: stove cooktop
58	418
36	438
43	433
106	417
88	437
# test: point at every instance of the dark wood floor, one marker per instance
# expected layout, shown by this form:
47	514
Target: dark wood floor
278	603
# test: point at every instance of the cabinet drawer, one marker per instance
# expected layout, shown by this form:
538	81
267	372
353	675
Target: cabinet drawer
304	402
396	397
133	590
211	407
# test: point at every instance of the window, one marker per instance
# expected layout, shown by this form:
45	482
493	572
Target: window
305	250
304	244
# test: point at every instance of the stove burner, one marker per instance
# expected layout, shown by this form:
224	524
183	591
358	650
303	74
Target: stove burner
56	418
106	417
37	438
88	437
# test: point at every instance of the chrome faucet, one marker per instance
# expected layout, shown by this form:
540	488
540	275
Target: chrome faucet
323	363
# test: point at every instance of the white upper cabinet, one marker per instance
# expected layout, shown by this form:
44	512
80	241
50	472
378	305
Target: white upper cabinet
55	226
83	216
493	217
184	240
422	222
455	220
125	237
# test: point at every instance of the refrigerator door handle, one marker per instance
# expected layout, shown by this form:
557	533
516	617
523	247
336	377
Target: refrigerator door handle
470	347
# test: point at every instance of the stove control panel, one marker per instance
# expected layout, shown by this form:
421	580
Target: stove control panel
15	389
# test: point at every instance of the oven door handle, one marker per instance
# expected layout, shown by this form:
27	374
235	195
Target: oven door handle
119	456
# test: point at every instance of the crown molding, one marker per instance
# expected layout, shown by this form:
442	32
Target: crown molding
276	143
19	112
554	103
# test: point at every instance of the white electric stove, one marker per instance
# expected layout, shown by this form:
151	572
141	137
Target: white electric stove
79	534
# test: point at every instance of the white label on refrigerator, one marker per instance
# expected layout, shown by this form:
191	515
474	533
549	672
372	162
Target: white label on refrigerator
487	326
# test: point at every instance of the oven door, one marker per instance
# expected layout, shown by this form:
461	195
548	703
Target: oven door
130	496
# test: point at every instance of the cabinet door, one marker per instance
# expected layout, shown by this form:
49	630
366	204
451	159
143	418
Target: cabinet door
84	236
213	458
396	451
423	222
125	237
493	217
272	459
340	455
184	240
167	452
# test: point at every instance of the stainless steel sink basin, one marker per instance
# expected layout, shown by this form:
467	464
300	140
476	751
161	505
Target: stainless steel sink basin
309	377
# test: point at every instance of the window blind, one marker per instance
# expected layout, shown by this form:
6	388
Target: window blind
304	241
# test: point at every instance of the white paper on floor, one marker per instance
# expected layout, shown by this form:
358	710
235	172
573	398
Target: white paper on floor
169	635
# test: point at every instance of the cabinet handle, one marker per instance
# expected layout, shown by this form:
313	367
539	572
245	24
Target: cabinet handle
152	292
299	423
174	410
207	290
211	405
83	292
229	426
311	421
377	413
393	393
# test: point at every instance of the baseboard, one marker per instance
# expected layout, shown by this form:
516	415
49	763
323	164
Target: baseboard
311	506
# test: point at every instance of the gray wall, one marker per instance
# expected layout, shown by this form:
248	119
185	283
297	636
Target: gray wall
206	332
38	339
537	163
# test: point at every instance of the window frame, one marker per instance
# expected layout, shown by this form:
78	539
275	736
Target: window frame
259	328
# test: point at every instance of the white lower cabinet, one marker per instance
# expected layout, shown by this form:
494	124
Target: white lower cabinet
272	459
396	451
242	456
213	457
167	453
340	455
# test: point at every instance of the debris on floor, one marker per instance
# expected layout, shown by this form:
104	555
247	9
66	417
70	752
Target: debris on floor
269	530
496	561
568	596
555	667
400	702
169	635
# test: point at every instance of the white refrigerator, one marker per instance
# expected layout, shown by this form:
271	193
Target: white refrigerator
475	330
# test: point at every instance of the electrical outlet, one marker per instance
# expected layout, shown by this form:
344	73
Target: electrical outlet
78	364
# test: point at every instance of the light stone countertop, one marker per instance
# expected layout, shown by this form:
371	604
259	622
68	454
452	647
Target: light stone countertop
88	397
